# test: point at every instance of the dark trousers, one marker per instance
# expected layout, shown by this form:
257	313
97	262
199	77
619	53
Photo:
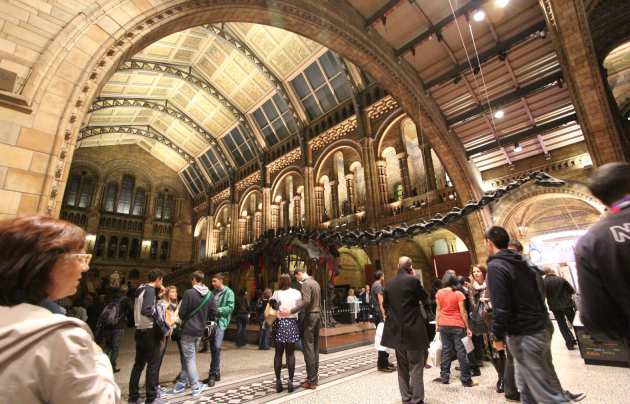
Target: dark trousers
241	329
111	344
264	336
564	318
410	370
147	354
383	360
535	374
312	324
452	345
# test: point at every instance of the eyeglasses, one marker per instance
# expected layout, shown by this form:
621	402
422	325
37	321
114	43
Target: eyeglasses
82	258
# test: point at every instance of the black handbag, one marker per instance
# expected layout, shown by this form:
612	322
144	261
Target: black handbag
177	331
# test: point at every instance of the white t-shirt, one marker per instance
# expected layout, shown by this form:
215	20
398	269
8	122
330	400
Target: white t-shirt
288	300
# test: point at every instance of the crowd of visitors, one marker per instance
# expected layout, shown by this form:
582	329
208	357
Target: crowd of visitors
498	314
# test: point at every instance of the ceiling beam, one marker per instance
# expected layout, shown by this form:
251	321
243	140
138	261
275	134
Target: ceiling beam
506	99
382	12
249	53
499	49
164	107
137	130
463	10
199	82
522	135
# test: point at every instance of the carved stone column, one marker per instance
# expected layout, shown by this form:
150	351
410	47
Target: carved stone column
266	210
352	192
310	214
210	240
429	170
319	203
600	122
404	174
242	231
297	211
372	191
275	217
258	225
334	193
222	237
249	229
381	168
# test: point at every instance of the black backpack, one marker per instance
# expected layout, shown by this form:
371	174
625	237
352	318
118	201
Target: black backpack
111	314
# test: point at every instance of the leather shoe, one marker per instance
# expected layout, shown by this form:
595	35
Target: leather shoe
385	370
516	398
308	385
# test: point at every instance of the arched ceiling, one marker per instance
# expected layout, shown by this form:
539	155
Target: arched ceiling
201	92
183	94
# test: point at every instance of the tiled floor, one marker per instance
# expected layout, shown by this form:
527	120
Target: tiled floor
350	377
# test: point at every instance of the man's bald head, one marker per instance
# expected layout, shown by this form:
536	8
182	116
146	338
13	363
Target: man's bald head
405	263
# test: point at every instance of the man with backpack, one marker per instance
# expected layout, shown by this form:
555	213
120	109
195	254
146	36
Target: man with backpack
149	333
196	308
111	325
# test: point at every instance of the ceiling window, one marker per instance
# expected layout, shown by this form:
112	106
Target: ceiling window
212	164
193	179
322	85
275	120
241	150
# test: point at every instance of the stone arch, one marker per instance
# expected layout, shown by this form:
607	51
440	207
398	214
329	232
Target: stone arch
288	171
393	119
92	168
331	149
339	26
533	192
199	227
352	262
254	189
220	207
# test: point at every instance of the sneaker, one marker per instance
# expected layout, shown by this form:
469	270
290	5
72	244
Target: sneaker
178	388
476	372
471	383
439	380
576	397
198	389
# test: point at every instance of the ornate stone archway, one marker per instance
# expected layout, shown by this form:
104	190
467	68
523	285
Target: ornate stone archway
87	51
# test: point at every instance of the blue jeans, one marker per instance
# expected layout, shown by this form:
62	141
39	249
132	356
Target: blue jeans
241	330
452	344
264	338
189	372
215	349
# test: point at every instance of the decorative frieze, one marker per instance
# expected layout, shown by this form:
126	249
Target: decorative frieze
338	131
248	181
381	107
284	161
221	196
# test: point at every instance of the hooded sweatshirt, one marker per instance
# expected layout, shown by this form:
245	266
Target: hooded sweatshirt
195	325
518	307
46	357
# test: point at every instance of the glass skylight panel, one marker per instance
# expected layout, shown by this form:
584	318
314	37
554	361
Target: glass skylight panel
322	85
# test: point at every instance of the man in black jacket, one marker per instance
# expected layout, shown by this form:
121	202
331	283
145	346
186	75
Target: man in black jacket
194	311
147	338
520	317
405	330
559	294
602	256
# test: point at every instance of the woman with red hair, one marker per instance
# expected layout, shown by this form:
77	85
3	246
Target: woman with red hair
44	355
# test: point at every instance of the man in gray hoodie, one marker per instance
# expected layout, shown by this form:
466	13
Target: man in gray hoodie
195	310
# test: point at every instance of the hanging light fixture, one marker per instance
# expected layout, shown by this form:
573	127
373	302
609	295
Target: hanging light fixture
501	3
499	114
479	15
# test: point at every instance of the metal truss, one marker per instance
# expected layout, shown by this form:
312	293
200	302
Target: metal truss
164	107
188	76
144	131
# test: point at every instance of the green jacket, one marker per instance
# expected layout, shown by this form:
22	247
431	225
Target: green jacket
225	307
